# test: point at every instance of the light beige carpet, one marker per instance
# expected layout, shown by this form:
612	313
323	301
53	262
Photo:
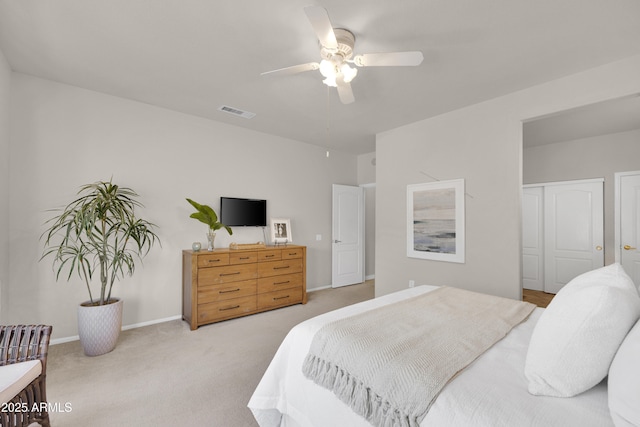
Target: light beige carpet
167	375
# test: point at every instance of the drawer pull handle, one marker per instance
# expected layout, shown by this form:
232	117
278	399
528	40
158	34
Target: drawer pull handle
277	298
269	256
229	274
280	268
229	291
282	283
245	257
229	308
293	254
213	260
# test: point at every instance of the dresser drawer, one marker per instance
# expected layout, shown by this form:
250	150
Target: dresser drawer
280	298
231	273
291	253
274	283
212	260
270	255
243	257
215	293
277	268
226	309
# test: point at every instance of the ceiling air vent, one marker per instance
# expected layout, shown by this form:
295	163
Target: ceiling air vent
236	112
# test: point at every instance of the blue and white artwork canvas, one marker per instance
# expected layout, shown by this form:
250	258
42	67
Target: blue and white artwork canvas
435	221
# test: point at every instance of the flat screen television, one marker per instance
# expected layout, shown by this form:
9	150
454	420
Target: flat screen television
235	212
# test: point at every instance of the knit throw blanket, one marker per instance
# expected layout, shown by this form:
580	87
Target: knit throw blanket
389	364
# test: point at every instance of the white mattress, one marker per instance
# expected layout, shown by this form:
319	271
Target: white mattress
491	392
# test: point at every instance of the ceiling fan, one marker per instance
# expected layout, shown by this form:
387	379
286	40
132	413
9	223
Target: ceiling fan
336	50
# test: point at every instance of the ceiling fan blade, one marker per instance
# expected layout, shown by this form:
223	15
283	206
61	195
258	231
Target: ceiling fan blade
389	59
319	19
345	93
293	70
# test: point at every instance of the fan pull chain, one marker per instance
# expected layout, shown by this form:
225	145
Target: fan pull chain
327	126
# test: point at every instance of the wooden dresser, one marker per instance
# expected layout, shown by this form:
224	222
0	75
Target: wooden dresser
226	283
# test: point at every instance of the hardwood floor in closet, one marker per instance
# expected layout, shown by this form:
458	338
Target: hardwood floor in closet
539	298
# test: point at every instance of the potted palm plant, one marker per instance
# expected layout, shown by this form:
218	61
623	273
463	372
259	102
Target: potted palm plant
207	215
99	232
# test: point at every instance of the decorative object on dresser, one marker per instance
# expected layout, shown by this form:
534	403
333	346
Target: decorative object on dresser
257	245
281	230
99	232
228	283
208	216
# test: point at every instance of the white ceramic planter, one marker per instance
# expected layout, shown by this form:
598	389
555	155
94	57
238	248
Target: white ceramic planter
99	327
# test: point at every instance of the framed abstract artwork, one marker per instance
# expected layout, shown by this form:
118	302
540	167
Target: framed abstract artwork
435	221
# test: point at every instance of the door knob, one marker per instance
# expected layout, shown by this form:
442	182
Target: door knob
598	248
337	241
627	248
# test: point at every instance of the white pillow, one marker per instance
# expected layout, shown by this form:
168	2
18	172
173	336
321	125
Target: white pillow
577	336
624	381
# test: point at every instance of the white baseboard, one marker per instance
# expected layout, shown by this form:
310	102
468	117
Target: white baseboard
64	340
152	322
124	328
319	288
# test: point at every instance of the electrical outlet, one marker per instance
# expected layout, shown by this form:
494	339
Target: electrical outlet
412	283
318	237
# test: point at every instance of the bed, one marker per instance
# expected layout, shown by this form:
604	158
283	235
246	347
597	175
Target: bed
493	390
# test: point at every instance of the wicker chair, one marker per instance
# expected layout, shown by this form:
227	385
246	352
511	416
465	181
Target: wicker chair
20	344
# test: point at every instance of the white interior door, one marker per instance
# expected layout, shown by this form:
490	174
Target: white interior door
532	238
573	231
628	223
347	252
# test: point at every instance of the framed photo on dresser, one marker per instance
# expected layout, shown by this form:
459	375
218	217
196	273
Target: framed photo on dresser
281	230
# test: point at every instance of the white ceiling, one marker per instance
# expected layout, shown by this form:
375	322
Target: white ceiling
193	56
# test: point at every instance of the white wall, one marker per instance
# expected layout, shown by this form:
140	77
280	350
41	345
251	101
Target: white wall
596	157
367	179
5	80
367	168
483	144
63	137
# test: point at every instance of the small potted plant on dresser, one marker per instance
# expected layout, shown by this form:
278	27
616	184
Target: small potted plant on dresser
99	232
207	215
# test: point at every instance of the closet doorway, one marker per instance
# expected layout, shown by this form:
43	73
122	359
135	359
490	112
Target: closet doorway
562	232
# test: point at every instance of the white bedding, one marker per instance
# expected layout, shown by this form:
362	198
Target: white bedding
491	392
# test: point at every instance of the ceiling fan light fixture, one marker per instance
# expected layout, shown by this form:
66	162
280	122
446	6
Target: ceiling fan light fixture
348	72
330	81
336	51
329	71
327	68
